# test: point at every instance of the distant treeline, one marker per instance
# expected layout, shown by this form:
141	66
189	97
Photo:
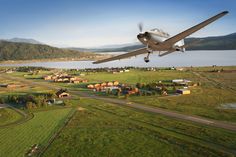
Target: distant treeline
26	51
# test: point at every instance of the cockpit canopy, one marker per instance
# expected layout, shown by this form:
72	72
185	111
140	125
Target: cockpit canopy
161	32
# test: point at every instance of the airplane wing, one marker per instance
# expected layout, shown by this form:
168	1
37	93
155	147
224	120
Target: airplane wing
184	46
122	56
166	53
192	30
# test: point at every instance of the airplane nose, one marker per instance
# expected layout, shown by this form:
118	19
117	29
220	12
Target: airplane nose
141	35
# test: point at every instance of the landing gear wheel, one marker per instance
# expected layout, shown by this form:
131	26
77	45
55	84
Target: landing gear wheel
146	59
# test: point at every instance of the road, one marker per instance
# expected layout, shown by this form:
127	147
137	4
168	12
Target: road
168	113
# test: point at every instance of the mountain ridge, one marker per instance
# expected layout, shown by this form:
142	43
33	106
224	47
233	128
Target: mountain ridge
22	40
225	42
27	51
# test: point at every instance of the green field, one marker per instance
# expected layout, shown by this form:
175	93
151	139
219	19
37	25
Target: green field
135	76
16	140
216	89
8	116
103	129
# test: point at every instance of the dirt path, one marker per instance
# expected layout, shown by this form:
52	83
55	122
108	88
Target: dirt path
3	106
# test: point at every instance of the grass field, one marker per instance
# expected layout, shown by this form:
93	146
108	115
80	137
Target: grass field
16	140
216	89
135	76
8	115
103	129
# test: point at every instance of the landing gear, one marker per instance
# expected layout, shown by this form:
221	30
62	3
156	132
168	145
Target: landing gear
146	59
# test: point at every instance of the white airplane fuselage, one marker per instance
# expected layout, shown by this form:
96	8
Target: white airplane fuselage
154	37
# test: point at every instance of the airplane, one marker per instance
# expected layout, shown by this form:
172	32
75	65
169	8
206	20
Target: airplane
158	40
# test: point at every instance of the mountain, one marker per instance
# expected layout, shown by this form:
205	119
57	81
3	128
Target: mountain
22	40
26	51
227	42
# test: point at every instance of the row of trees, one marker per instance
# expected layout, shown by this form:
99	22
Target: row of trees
31	101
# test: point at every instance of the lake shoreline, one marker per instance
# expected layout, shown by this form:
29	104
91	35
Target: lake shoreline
90	58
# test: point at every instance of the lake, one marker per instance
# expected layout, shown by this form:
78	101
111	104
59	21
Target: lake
176	59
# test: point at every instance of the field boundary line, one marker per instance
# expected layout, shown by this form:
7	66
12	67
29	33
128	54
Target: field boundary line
56	134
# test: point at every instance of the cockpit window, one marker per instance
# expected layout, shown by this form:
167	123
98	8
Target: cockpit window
160	31
155	30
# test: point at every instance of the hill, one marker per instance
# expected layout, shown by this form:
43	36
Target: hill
26	51
227	42
22	40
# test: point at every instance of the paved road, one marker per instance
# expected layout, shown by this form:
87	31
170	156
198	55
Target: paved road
168	113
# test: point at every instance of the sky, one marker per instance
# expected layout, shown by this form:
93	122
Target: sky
94	23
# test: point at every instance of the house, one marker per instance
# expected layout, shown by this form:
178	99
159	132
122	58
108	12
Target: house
54	102
183	91
180	69
109	84
76	81
103	84
62	94
115	83
14	86
182	82
90	86
84	81
48	77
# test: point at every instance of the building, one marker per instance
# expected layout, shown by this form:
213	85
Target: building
109	84
183	91
76	81
90	86
12	85
48	77
115	83
62	94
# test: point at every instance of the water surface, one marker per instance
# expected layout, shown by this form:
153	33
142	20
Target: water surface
176	59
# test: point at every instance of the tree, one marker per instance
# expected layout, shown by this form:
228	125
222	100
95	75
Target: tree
139	85
174	88
29	105
2	100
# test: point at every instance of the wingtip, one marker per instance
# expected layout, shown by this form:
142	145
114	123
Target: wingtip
225	12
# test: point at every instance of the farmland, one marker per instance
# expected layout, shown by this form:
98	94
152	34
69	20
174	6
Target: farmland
16	140
9	116
102	129
216	89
